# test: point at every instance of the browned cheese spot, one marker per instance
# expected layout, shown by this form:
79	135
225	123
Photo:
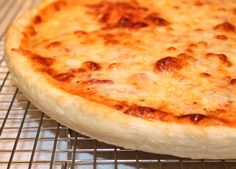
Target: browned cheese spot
195	118
122	105
37	19
97	82
204	74
168	64
226	27
154	18
110	38
54	44
44	61
126	15
77	70
221	37
198	29
139	111
93	66
184	57
222	57
202	44
171	48
114	66
199	3
80	33
192	45
176	7
234	11
30	31
59	5
233	82
64	76
189	50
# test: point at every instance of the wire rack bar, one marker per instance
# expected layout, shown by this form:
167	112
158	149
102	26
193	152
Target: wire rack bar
74	153
36	141
17	137
8	111
54	147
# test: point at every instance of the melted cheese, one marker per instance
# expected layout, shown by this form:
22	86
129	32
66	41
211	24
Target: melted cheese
129	41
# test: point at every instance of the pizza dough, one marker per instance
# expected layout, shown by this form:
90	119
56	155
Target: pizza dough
156	76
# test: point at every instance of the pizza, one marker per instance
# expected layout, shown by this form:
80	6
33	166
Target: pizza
157	76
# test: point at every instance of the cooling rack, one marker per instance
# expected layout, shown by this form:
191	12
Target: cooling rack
30	139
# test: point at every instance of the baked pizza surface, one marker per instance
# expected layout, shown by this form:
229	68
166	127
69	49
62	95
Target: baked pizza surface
167	61
158	60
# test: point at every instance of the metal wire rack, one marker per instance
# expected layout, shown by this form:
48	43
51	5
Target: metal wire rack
30	139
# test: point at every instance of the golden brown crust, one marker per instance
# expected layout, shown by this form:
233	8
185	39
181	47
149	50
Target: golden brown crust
73	103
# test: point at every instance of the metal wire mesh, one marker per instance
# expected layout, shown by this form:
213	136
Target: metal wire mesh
30	139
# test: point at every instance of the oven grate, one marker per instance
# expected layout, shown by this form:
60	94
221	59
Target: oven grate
30	139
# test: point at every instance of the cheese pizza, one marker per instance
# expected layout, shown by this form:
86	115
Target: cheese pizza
155	75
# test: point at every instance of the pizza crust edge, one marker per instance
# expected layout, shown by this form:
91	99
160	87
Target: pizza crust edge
107	124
